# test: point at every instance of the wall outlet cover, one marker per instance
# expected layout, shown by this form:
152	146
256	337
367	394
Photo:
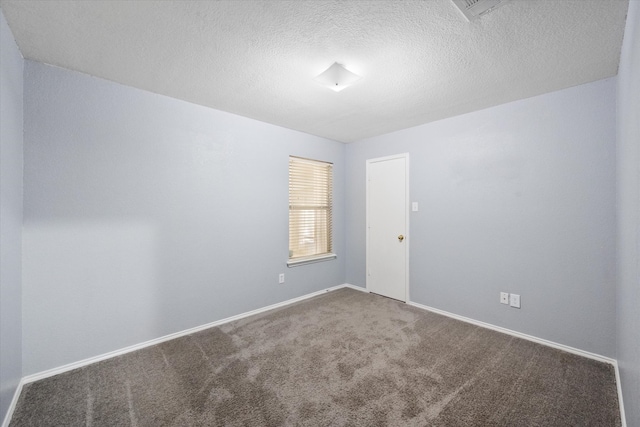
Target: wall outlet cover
514	300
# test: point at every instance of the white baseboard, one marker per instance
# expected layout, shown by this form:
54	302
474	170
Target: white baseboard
542	341
357	288
55	371
623	418
12	405
71	366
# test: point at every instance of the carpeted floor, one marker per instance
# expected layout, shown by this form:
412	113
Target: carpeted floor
345	358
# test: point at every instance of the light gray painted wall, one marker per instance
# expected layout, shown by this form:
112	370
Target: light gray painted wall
628	186
11	64
517	198
145	215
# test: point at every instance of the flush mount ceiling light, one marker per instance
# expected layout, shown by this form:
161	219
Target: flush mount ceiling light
473	9
337	77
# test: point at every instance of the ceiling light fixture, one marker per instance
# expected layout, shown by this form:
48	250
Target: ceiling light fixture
474	9
337	77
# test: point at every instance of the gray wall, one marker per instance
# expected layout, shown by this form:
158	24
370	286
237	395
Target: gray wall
145	215
10	216
517	198
628	342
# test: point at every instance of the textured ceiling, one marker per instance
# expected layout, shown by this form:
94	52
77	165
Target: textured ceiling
420	61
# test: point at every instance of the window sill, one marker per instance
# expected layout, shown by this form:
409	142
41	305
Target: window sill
309	260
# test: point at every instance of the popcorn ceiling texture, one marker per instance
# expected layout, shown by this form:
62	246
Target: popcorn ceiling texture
346	358
420	60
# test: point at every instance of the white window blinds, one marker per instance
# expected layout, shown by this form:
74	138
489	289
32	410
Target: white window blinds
310	203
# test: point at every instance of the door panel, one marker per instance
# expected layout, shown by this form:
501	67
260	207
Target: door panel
387	254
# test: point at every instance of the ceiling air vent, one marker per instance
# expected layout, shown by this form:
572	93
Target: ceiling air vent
473	9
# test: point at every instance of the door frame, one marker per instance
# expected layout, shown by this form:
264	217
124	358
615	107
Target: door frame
404	156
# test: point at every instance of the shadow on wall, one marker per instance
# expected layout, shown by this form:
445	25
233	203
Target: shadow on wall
109	273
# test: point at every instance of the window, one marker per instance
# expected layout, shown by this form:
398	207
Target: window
310	203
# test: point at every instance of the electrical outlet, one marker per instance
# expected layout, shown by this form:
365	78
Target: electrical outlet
281	278
514	300
504	298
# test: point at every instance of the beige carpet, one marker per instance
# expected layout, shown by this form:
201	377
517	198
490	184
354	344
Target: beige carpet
345	358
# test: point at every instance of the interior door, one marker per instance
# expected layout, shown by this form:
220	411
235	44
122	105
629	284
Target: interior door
387	226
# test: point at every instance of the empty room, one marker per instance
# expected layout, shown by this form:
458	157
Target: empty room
320	213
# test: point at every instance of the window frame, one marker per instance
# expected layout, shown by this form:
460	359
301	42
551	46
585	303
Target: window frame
328	220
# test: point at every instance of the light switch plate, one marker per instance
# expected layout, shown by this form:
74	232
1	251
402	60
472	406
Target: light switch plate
414	206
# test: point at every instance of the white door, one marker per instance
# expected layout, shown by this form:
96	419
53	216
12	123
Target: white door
387	226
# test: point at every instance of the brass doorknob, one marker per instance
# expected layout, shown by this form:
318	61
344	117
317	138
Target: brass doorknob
401	238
